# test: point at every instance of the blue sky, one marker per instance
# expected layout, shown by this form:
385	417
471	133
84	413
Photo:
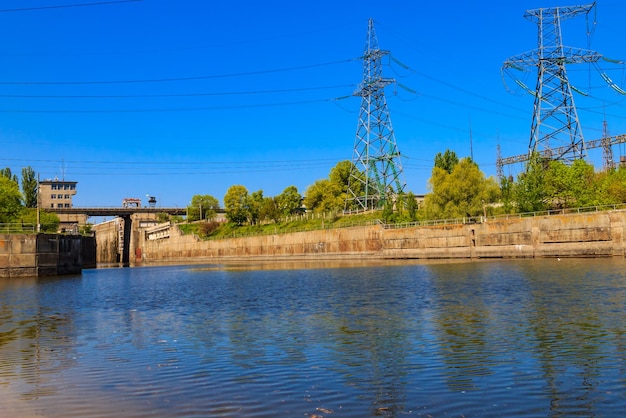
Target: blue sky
176	98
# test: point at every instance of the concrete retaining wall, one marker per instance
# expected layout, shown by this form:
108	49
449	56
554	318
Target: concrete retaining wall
38	255
107	237
571	235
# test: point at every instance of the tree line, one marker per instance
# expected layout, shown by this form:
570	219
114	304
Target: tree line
21	206
457	189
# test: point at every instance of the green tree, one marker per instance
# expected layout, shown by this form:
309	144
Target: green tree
163	217
289	201
506	192
6	172
582	184
446	161
340	174
10	199
236	204
556	187
255	205
354	181
331	194
529	190
324	196
411	206
48	221
29	187
611	187
202	207
270	209
463	192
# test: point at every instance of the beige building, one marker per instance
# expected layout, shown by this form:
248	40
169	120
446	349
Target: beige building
56	194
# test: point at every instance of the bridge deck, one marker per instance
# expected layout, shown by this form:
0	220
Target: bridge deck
116	211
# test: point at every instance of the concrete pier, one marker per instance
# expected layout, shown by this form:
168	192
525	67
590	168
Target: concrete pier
40	255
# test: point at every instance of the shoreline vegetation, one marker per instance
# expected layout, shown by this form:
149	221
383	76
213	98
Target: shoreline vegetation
317	222
459	192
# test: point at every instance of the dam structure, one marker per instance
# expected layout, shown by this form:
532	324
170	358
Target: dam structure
575	233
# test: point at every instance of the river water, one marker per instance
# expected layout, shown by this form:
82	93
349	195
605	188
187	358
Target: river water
467	339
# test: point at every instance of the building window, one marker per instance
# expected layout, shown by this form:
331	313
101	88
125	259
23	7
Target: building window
52	205
67	196
72	187
66	186
60	205
67	205
53	196
53	186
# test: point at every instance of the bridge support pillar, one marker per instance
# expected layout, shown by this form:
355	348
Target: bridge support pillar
128	223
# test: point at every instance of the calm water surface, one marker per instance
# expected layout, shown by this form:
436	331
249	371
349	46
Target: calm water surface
502	338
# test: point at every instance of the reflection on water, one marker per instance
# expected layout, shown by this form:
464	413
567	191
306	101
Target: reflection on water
532	337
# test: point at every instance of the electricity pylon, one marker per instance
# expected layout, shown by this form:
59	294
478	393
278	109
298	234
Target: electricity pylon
555	124
607	150
375	177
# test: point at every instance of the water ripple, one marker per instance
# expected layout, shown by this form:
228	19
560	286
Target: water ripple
518	338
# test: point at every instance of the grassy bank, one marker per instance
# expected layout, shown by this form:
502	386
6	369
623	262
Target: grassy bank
219	230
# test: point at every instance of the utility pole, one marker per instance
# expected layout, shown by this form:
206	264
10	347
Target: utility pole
38	207
377	170
471	140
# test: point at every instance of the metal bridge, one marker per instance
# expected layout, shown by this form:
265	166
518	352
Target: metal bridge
124	212
116	211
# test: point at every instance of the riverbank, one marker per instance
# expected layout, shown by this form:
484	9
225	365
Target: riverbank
595	234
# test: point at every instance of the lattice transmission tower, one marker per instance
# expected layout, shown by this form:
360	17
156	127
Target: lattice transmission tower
377	169
555	129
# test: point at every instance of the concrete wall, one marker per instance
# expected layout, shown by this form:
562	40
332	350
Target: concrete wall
571	235
38	255
107	239
110	242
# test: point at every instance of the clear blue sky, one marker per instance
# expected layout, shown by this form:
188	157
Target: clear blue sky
258	93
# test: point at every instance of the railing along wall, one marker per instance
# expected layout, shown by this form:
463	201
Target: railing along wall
483	219
423	223
17	228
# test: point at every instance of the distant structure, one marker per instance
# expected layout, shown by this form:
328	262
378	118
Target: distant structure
56	193
377	166
607	150
131	202
555	130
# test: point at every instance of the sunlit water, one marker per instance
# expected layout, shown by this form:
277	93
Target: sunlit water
502	338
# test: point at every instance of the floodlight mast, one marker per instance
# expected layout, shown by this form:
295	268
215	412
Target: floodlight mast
375	177
555	123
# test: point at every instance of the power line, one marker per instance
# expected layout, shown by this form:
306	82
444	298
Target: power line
169	79
66	6
124	96
179	109
298	162
160	168
187	173
452	86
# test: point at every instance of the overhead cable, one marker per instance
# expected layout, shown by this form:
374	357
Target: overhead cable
175	109
66	6
124	96
170	79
